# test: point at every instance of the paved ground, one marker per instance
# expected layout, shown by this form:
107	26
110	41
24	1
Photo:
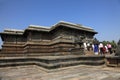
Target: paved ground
71	73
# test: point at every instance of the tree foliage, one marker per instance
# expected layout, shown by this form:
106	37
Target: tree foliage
95	41
118	49
118	42
113	43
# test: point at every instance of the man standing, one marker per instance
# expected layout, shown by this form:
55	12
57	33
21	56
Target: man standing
101	48
109	48
96	49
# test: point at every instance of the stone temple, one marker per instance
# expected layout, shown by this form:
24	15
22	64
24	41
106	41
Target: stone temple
62	38
53	53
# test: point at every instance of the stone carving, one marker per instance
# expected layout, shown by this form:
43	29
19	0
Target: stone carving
42	41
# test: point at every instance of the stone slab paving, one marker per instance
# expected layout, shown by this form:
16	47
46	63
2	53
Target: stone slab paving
81	72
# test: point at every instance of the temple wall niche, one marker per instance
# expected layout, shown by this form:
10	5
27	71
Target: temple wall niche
13	44
38	36
46	36
14	39
72	33
9	38
89	37
57	34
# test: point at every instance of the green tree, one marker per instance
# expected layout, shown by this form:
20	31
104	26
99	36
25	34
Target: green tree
118	49
95	41
113	43
105	42
118	42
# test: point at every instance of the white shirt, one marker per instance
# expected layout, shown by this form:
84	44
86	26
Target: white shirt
100	45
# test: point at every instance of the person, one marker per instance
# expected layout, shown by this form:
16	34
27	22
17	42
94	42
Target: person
101	48
85	46
93	47
109	48
106	49
96	49
88	46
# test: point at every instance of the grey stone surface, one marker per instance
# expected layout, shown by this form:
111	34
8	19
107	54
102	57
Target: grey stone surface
81	72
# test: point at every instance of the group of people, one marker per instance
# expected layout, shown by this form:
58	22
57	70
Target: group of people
98	48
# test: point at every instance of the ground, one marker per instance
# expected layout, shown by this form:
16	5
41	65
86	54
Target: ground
81	72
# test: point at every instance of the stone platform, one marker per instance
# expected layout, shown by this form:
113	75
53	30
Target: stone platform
113	61
81	72
52	62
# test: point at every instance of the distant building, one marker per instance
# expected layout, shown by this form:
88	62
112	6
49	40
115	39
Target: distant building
60	39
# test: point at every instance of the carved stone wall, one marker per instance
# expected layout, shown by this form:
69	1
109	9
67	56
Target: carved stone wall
59	41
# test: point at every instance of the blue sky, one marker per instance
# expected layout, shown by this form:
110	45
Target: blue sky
101	15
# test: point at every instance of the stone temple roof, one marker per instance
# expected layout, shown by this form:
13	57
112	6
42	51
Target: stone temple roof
48	29
74	26
38	28
13	31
